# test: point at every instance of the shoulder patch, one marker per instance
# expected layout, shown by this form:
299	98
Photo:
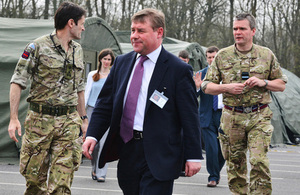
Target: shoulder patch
31	45
29	49
25	55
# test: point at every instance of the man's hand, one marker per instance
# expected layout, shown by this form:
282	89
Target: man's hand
234	88
254	81
192	168
12	127
14	123
197	79
88	147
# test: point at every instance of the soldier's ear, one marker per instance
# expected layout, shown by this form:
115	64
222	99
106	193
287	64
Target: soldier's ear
71	23
253	31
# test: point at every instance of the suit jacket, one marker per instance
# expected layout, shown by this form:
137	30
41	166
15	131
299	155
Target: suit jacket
166	131
206	105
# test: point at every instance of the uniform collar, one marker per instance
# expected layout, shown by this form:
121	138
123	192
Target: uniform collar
251	54
58	43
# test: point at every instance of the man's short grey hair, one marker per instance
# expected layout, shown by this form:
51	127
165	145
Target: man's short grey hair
248	17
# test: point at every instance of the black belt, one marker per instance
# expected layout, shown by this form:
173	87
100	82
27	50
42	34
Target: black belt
246	109
137	134
217	110
52	110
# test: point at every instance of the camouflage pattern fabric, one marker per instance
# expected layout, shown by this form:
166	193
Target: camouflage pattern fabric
52	79
228	66
239	132
50	143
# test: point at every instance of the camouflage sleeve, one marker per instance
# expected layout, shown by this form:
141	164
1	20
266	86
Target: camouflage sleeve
213	74
24	67
276	72
81	85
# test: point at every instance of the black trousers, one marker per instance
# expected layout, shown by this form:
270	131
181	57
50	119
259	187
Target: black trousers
134	176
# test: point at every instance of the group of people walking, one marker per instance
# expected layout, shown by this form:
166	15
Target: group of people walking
141	108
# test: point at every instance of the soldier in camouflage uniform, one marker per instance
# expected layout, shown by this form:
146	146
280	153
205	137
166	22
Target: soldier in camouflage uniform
248	73
52	141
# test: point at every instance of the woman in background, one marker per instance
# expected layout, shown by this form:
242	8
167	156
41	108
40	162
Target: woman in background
95	82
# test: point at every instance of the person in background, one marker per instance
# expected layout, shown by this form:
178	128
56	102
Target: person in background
248	73
210	111
149	102
184	56
95	82
52	142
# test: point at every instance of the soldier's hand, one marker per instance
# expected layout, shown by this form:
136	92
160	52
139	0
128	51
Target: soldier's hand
12	127
88	147
235	88
84	127
192	168
197	79
254	81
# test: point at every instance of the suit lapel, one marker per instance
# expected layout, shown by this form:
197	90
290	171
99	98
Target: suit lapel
125	73
160	69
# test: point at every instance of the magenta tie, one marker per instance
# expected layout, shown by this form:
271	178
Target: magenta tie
126	126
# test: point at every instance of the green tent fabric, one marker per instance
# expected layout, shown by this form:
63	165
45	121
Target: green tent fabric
15	34
99	35
286	111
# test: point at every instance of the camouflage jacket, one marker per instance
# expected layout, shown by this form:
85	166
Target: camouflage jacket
228	66
56	75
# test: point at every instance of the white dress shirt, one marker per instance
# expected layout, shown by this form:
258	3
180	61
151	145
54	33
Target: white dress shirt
220	101
149	65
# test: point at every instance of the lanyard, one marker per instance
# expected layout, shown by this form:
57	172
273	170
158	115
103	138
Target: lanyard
67	69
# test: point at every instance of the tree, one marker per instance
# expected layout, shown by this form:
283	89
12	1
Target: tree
33	12
290	13
46	11
21	14
89	8
208	22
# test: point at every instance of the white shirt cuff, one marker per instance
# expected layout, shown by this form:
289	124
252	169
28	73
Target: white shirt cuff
193	160
90	137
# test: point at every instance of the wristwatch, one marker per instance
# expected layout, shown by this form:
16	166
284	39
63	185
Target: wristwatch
266	81
83	117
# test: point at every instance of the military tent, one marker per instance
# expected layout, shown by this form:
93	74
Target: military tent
286	112
15	34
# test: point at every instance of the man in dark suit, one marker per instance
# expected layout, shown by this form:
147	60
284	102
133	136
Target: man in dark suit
210	122
165	123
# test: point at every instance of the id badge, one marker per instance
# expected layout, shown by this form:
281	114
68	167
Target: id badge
159	99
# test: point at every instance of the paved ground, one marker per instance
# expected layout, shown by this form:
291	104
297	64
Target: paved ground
284	163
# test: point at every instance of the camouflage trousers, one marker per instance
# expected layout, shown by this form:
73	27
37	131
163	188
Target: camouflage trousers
50	143
239	132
